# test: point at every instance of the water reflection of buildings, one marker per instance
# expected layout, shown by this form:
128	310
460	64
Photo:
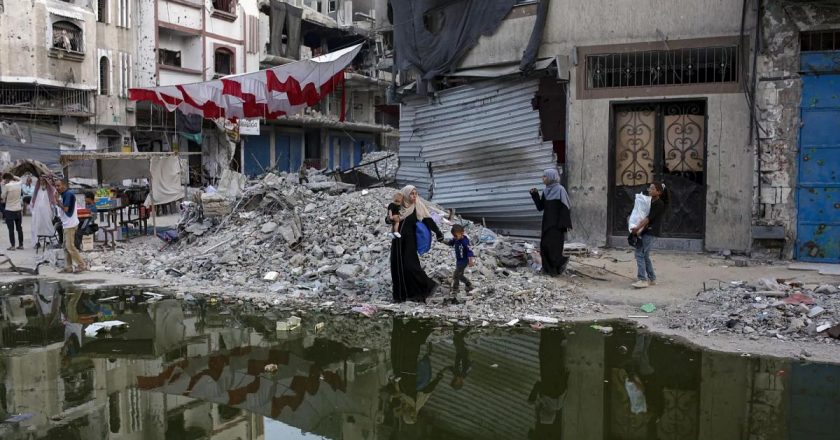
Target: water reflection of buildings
70	386
197	372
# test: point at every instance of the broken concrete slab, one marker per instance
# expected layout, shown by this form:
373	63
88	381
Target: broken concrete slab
268	228
347	271
815	311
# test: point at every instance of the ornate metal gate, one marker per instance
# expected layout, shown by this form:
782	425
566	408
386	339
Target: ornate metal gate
660	141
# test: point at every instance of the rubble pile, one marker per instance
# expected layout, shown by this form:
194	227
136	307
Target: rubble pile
786	310
386	168
318	242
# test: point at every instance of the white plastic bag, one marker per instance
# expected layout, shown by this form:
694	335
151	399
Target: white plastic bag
641	209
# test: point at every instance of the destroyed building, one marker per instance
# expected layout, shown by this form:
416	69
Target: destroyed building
196	45
687	93
73	81
352	120
65	70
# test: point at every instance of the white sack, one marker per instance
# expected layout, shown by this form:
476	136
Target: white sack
641	209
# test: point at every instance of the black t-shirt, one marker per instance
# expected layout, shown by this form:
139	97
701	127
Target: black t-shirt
657	209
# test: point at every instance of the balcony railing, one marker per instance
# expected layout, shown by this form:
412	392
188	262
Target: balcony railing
44	100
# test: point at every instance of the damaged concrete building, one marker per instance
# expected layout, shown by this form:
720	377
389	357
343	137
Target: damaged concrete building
618	96
194	44
354	119
796	186
72	85
65	70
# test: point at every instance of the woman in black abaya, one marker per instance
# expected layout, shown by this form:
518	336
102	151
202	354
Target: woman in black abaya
557	219
409	279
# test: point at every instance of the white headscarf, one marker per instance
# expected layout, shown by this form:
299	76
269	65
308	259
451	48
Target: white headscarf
419	207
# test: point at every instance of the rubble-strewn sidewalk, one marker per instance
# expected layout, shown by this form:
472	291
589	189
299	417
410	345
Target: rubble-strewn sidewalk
322	241
782	309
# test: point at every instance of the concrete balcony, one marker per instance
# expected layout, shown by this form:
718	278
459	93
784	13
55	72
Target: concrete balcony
43	100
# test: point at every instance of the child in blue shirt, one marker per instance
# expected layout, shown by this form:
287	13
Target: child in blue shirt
463	257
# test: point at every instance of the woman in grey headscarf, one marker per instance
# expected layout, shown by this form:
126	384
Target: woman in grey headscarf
557	219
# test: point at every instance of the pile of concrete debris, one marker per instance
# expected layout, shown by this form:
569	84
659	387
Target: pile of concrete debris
782	309
380	164
325	241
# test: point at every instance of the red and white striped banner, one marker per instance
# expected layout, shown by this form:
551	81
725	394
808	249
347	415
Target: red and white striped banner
268	94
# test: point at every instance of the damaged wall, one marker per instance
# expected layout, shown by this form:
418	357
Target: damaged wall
481	149
778	98
729	169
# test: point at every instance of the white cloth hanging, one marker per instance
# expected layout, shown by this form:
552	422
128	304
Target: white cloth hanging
42	216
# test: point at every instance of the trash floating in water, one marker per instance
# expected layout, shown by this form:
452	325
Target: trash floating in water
17	418
603	329
541	319
290	324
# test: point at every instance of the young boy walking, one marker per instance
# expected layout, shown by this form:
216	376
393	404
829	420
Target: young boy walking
463	257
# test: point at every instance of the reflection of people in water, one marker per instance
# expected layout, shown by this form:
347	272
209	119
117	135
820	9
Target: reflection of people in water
643	390
462	365
413	384
549	393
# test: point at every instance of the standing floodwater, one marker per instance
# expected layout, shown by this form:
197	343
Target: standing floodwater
166	369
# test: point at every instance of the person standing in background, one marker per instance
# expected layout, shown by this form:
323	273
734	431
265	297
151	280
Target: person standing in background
12	211
557	219
648	230
66	203
27	189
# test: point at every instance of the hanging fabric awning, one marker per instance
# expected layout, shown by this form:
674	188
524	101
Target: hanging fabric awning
268	94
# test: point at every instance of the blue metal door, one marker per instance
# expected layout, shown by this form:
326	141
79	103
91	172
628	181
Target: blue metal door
297	152
346	153
818	189
358	148
257	154
282	144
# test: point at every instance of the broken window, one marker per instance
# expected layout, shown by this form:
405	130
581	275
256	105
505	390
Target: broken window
67	36
223	61
228	6
102	11
168	57
700	65
104	75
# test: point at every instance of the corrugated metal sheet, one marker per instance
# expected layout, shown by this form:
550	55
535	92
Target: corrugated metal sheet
413	169
39	143
481	147
493	404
